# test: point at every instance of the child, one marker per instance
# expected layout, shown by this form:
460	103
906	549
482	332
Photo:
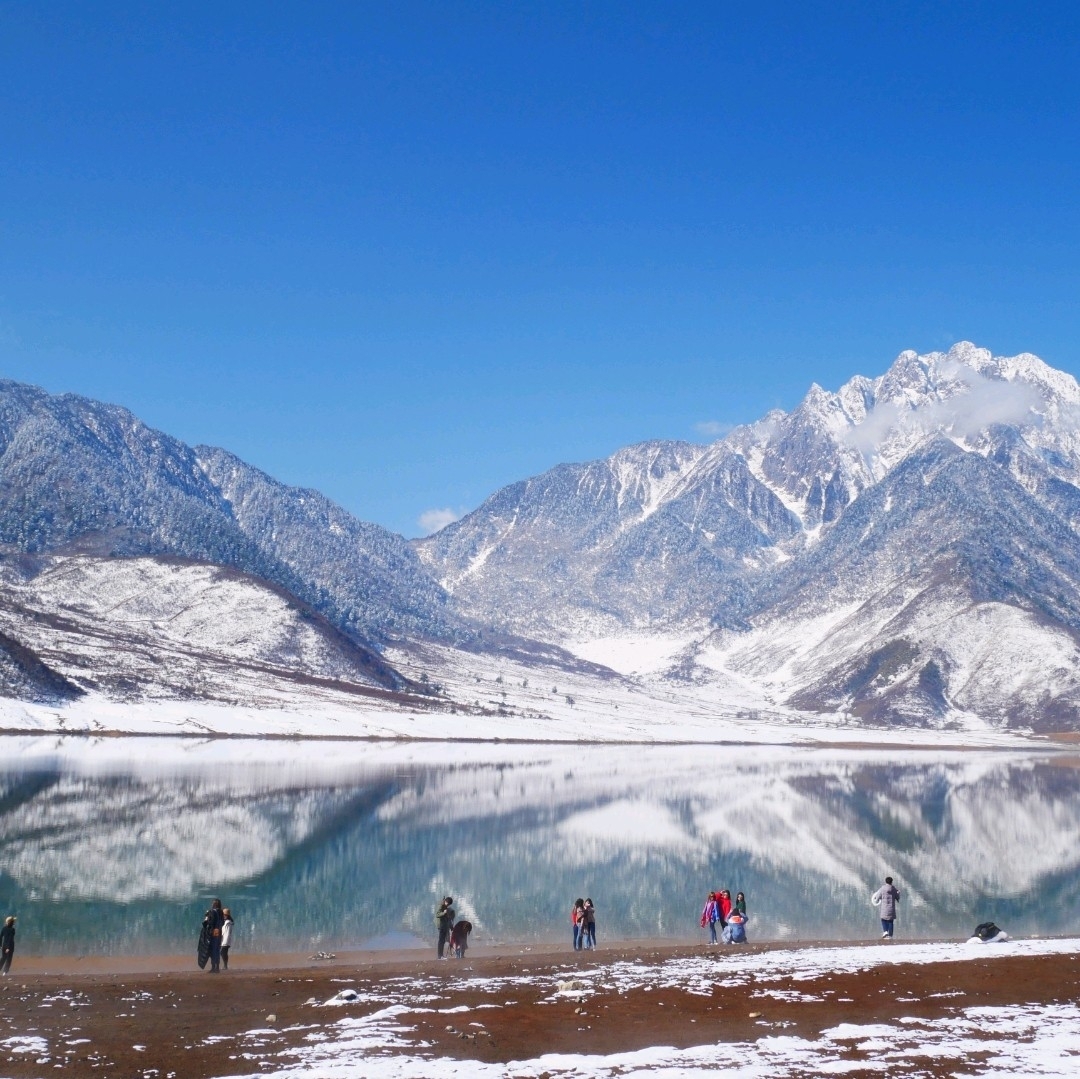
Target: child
226	937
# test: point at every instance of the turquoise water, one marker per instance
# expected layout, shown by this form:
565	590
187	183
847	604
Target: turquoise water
118	845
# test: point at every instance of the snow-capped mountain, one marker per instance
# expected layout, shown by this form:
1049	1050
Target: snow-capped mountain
874	551
80	476
901	551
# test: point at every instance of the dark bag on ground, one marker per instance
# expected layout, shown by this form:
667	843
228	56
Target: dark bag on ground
986	930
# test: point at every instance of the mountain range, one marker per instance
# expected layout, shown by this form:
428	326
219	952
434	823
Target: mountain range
900	552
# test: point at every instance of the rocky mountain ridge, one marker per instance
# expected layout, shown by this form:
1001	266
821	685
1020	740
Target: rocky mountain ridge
954	478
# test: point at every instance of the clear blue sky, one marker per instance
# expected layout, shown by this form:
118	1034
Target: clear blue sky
407	253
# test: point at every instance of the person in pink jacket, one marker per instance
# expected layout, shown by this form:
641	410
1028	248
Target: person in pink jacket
710	915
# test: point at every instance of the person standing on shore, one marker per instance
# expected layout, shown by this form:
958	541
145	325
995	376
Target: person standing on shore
590	925
213	921
7	943
886	897
740	904
723	901
444	919
226	937
710	915
577	917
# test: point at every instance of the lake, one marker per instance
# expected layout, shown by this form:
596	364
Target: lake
116	845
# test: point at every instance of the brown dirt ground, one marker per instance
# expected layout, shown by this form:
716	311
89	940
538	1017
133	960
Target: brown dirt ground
190	1023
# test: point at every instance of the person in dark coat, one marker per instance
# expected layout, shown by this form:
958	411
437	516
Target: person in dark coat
7	943
459	938
444	919
588	938
214	920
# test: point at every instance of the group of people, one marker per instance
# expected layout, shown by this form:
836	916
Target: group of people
583	917
452	930
215	937
731	916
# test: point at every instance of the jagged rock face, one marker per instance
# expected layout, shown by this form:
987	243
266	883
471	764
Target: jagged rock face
80	476
950	484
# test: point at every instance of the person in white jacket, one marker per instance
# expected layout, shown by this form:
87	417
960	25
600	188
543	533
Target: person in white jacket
886	897
226	938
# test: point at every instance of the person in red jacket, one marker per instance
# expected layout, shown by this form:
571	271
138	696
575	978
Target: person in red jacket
724	902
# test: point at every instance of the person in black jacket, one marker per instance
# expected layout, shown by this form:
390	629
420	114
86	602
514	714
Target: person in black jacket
7	943
444	919
214	920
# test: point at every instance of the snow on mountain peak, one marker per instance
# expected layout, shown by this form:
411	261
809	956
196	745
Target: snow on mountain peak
959	393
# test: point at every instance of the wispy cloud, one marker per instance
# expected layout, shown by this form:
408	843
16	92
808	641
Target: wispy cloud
713	428
432	520
976	403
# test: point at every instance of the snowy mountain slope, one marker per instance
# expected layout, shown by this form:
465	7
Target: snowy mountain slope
78	475
633	540
361	576
903	551
26	676
908	513
146	628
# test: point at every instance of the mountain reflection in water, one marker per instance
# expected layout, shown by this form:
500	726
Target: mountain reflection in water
117	845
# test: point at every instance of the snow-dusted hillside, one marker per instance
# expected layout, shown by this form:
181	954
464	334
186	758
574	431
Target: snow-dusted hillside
79	475
142	629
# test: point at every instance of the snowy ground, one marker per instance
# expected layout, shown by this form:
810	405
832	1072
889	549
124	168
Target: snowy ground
1021	1039
641	717
488	698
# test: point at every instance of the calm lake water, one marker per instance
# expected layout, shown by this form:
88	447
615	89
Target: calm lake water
117	845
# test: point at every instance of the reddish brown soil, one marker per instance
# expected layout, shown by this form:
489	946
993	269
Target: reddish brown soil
191	1023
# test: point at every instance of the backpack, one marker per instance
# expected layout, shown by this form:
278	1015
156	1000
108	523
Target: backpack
986	930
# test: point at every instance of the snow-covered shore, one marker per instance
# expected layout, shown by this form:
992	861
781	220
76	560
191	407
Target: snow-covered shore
615	716
1022	1038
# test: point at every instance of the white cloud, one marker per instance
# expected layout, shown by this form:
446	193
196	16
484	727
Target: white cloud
432	520
976	402
713	428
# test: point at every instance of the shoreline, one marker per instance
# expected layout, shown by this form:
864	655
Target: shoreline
61	965
1059	742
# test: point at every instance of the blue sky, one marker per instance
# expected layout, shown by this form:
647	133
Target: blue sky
408	253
